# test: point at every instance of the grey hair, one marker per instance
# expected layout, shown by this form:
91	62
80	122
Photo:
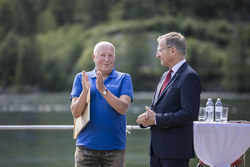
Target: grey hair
101	44
175	39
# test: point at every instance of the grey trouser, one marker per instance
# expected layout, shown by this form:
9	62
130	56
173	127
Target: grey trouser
85	157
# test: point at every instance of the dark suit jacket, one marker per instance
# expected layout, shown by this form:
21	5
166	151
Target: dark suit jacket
176	109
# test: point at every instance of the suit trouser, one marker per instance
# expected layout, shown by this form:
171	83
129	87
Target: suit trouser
163	162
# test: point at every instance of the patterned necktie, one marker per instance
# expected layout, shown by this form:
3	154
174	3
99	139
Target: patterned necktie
167	79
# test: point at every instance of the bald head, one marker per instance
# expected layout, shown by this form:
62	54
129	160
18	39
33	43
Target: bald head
103	43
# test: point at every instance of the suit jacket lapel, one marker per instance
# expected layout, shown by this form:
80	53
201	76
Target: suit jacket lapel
169	84
173	79
158	89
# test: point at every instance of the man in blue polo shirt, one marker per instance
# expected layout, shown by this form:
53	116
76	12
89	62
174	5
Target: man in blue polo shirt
103	141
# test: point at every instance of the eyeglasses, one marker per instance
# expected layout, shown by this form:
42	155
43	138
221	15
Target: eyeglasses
159	50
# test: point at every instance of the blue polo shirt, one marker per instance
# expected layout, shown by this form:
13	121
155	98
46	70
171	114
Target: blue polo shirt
107	128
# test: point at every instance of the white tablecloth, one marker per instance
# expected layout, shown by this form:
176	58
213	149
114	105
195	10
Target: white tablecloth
220	144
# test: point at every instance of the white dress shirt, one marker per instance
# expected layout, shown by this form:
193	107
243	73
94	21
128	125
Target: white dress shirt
177	66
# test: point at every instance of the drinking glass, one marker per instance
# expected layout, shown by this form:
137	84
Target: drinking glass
224	114
202	114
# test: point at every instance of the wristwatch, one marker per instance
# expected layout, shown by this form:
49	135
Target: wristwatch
104	92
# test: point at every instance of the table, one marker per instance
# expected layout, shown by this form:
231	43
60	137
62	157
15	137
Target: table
220	144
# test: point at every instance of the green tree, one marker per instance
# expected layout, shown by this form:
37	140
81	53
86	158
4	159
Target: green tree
8	57
28	60
90	13
207	59
59	52
62	35
237	66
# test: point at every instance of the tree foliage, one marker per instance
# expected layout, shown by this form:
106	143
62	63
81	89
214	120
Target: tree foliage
44	43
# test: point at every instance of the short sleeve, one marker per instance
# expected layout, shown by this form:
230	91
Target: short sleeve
127	87
77	86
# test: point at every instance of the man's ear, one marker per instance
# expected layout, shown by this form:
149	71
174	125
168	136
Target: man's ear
173	49
93	56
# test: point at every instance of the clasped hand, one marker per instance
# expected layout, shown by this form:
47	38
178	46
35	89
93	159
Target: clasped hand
99	81
85	82
147	118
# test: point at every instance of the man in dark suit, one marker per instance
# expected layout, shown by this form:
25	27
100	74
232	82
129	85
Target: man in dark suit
174	107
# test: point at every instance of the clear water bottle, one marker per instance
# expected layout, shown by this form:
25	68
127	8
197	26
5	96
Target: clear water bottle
218	110
210	110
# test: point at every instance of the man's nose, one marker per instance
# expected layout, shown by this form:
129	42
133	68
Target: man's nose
157	54
107	58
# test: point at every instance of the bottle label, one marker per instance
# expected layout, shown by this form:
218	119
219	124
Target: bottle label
218	109
210	113
210	108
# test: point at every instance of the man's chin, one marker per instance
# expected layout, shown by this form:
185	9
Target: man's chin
106	70
162	64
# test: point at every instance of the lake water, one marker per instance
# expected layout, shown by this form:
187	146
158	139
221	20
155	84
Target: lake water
55	148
